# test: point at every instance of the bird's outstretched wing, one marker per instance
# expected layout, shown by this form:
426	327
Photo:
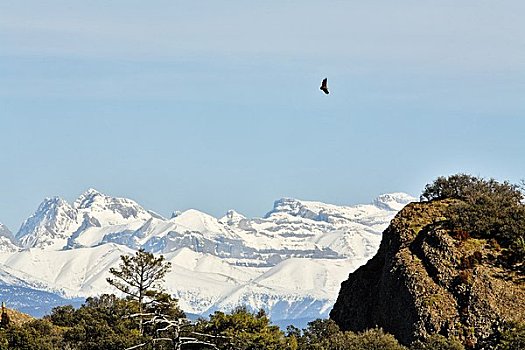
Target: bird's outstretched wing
324	86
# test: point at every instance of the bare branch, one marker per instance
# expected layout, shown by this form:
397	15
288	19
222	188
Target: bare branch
138	346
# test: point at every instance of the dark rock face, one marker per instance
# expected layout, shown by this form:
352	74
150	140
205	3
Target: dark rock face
428	279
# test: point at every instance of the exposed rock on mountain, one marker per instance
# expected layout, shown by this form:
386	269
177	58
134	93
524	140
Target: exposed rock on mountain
57	224
49	226
427	278
232	218
7	240
5	232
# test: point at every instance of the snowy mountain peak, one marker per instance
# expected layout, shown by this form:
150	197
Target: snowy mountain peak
317	210
231	218
294	207
48	225
55	223
393	201
7	240
198	221
50	209
87	198
111	210
51	203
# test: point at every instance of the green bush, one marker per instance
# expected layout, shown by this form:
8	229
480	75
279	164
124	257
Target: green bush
326	335
457	186
34	335
513	338
318	330
437	342
485	209
244	330
374	339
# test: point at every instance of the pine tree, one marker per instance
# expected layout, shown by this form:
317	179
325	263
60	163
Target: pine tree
4	318
139	277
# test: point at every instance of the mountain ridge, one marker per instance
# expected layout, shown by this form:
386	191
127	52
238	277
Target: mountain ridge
236	260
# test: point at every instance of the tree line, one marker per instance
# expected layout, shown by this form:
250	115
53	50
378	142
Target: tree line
147	318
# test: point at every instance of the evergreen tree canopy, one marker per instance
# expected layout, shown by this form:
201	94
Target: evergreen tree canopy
139	277
244	330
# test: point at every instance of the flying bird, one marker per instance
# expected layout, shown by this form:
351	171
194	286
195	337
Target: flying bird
324	86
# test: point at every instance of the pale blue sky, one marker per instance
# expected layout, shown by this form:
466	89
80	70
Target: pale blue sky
215	104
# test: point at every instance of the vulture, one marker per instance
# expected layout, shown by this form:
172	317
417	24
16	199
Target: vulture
324	86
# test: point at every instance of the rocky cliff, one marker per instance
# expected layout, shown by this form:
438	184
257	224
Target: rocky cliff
428	278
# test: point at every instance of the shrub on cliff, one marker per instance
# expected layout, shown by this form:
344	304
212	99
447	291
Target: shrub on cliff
458	186
486	209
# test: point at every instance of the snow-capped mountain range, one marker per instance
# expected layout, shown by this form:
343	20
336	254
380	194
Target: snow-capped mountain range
290	262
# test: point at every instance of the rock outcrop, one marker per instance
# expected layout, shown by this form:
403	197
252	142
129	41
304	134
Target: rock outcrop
427	278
